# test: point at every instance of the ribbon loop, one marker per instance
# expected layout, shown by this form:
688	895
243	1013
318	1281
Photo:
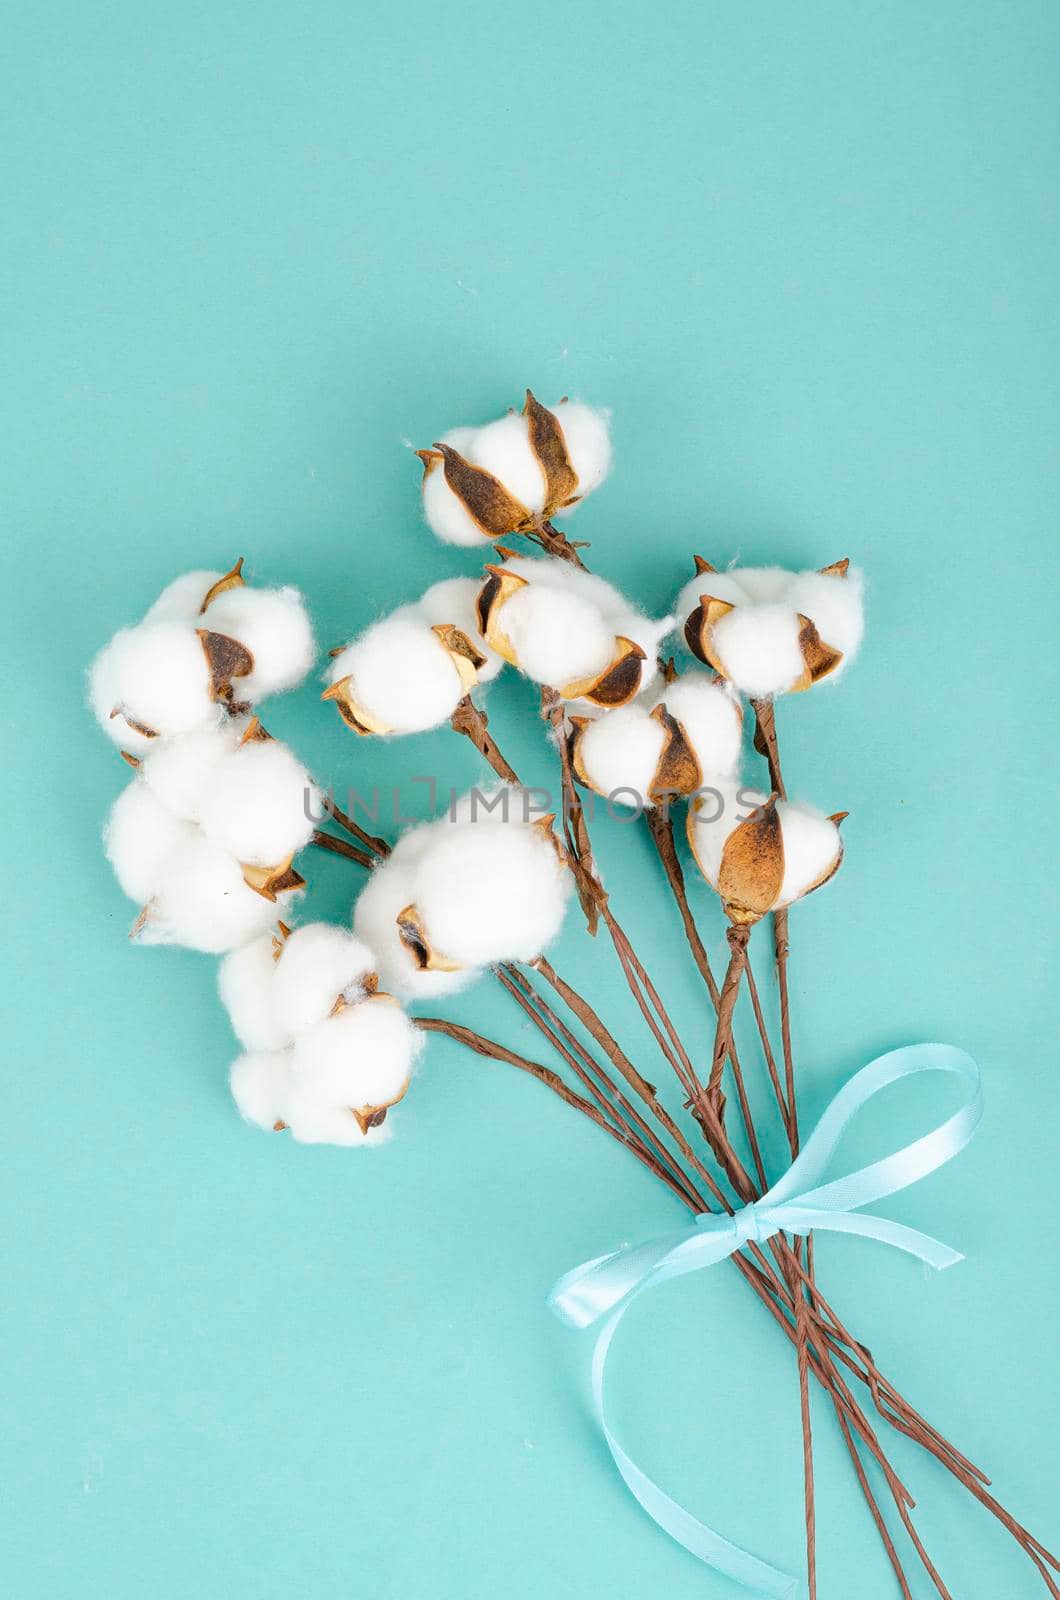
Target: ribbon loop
799	1203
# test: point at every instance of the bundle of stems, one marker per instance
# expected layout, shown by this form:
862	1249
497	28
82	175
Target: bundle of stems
600	1080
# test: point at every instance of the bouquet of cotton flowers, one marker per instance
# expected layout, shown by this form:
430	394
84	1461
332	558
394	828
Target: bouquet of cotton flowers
205	836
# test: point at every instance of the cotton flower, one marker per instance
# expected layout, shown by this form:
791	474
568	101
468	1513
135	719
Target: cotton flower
772	632
220	814
663	747
459	895
569	629
514	474
207	644
409	671
759	853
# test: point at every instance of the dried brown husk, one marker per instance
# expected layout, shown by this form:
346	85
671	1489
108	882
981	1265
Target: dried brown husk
374	1116
499	586
226	659
414	937
751	870
549	445
617	684
233	579
137	727
465	656
270	882
677	771
492	507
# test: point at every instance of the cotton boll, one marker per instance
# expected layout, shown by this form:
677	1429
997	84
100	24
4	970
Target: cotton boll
588	440
710	718
360	1059
834	605
309	1122
181	771
761	585
274	626
453	601
318	963
391	888
812	849
619	753
721	805
401	675
245	982
260	804
202	902
487	892
758	647
722	585
446	514
554	573
504	449
260	1085
140	837
558	637
157	676
181	600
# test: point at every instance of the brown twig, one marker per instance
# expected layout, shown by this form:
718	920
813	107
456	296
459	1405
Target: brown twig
341	847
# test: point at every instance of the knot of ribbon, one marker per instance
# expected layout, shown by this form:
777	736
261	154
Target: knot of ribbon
798	1203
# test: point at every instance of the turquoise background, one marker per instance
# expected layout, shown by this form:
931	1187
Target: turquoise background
809	255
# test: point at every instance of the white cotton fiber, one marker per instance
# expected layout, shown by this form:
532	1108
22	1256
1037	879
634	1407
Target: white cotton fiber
588	440
319	964
811	848
620	751
487	892
390	889
260	804
721	805
834	604
722	585
180	771
202	902
310	1122
360	1058
453	601
504	449
758	648
557	636
181	600
140	837
245	984
710	718
274	626
446	514
401	674
260	1085
156	675
553	573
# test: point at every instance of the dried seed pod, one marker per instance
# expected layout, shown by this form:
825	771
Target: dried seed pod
414	937
271	882
772	632
617	684
226	659
405	674
759	853
501	583
232	579
642	755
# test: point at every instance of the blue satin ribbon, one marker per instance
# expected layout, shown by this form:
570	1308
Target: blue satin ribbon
800	1202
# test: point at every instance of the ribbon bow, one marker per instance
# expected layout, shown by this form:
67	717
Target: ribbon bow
798	1203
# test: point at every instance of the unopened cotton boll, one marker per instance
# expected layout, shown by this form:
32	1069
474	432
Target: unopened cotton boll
319	965
358	1061
152	680
246	982
140	837
180	771
400	676
203	902
761	854
772	632
274	626
260	1085
260	805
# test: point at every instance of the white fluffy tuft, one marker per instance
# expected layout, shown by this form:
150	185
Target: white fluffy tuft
140	837
245	982
453	601
811	848
180	771
274	626
503	448
201	901
588	438
710	716
260	804
401	674
360	1058
260	1085
620	753
319	963
758	647
157	675
181	600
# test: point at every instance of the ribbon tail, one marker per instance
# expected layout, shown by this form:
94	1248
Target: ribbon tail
695	1537
803	1219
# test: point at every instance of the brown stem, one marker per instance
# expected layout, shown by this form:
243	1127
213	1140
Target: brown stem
555	543
472	722
340	847
737	936
765	741
376	846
